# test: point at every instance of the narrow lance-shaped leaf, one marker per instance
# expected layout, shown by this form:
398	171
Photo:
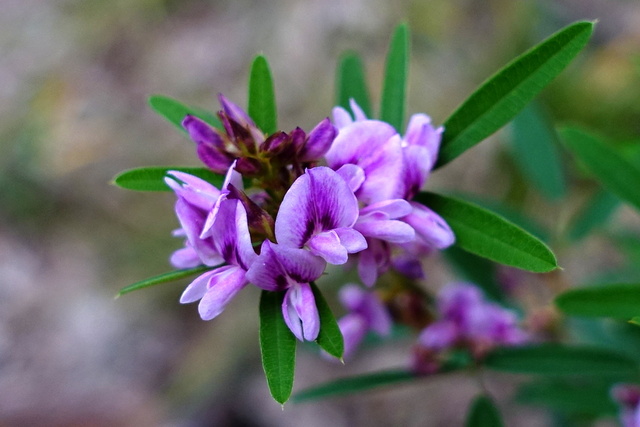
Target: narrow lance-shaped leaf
330	338
394	87
613	171
575	397
351	83
483	413
561	360
175	111
488	235
152	178
499	99
355	384
618	301
277	345
595	214
262	98
535	151
171	276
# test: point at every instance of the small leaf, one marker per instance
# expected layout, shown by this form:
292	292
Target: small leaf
635	321
171	276
483	413
262	98
152	178
503	95
619	301
561	360
535	151
174	111
351	83
595	214
612	170
330	338
395	78
488	235
277	345
354	384
581	398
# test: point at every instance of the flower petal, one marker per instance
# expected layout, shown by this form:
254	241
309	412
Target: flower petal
234	111
327	245
230	234
202	133
421	132
197	288
352	174
392	209
192	221
341	117
430	226
373	261
354	329
185	258
224	284
351	239
358	113
393	231
194	190
439	335
300	312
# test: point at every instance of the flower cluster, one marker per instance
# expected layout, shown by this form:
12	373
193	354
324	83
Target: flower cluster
467	320
304	215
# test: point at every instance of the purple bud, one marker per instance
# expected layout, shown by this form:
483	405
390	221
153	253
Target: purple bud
234	112
318	142
202	133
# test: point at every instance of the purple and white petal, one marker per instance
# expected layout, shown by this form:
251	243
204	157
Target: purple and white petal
421	132
430	226
353	175
353	328
392	209
320	200
392	231
300	312
234	112
230	234
341	117
373	261
197	288
415	170
202	133
318	142
358	113
352	240
194	190
192	221
186	257
223	285
439	335
328	246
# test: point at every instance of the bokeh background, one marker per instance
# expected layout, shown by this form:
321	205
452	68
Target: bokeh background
74	79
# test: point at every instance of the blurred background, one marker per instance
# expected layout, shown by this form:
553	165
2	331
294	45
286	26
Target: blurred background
75	76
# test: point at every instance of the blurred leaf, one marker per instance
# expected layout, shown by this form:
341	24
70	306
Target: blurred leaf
504	94
175	112
152	178
595	214
534	150
561	360
395	78
330	338
584	397
488	235
277	345
171	276
613	171
478	270
483	413
613	334
351	83
354	384
619	301
635	321
262	98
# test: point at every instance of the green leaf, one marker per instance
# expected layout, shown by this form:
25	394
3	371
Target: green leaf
351	83
595	214
483	413
561	360
582	397
174	111
152	178
635	321
535	151
262	98
171	276
395	78
612	170
354	384
277	345
330	338
502	96
619	301
488	235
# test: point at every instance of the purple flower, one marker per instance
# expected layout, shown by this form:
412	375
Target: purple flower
231	239
628	398
196	198
466	317
366	313
319	212
211	145
280	268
